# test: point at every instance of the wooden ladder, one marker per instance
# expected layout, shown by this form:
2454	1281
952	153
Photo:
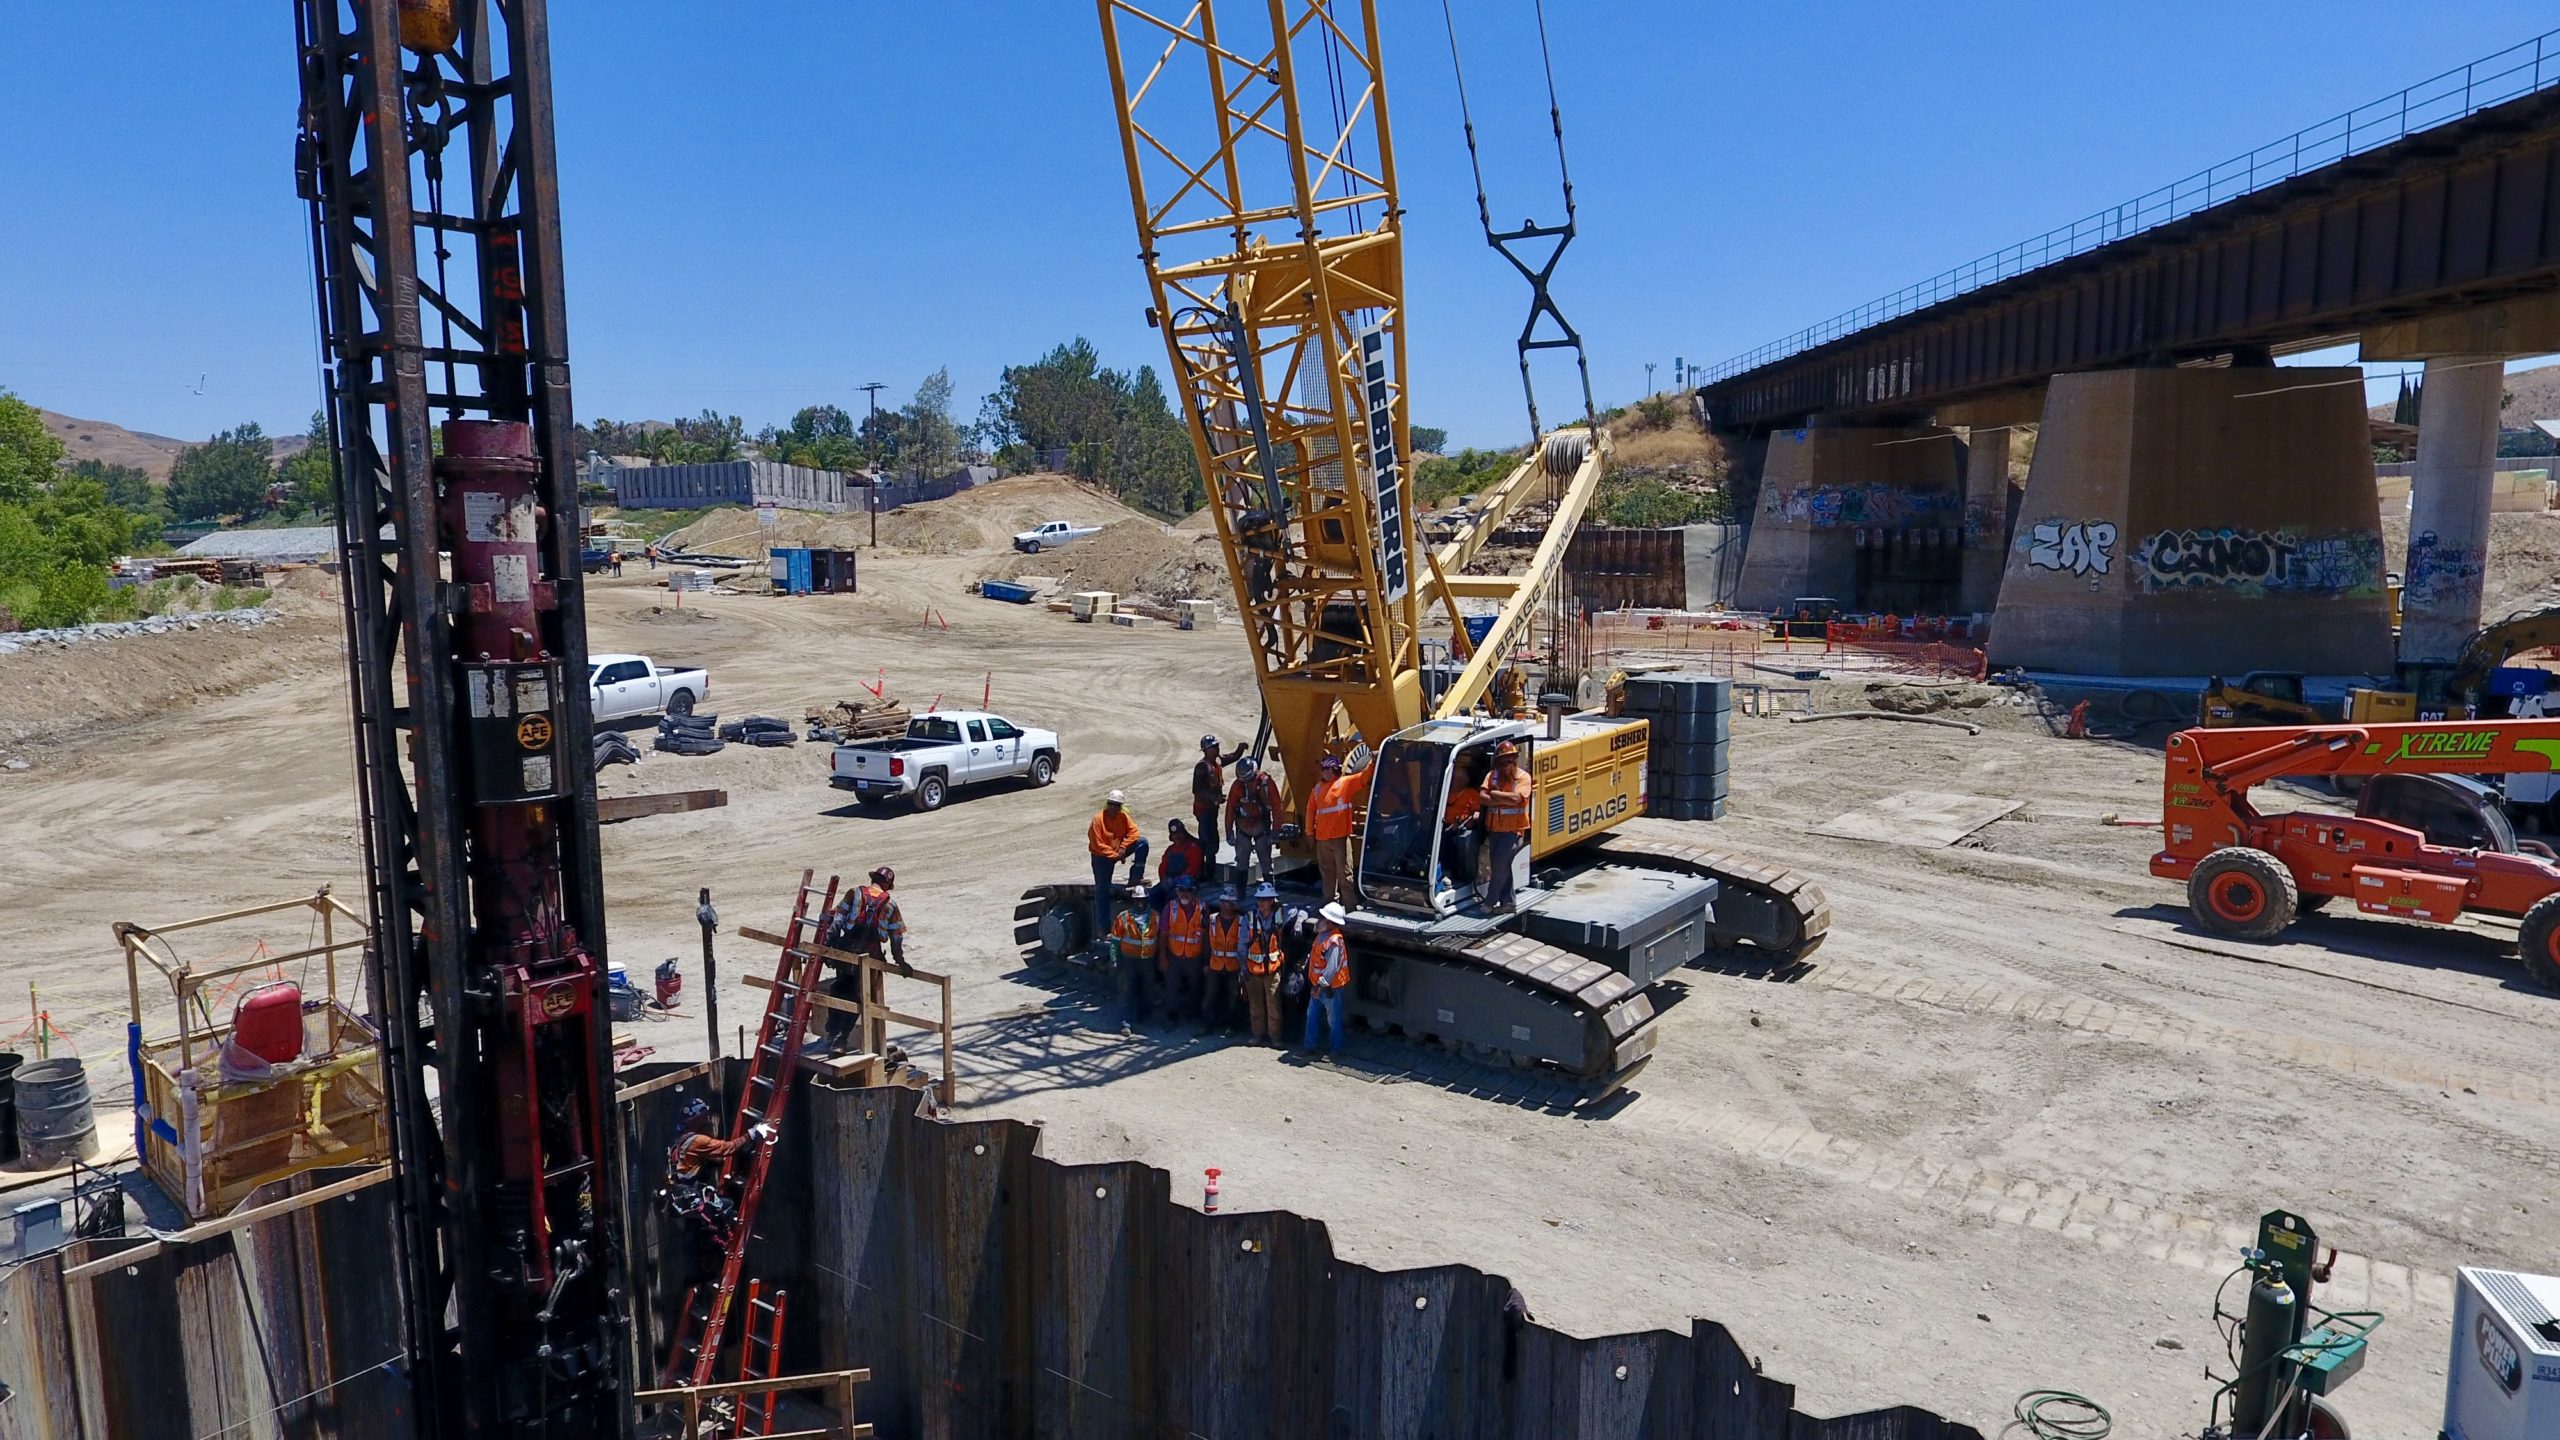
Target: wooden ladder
762	1100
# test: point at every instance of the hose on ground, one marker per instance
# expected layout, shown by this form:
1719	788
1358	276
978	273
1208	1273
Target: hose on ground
2059	1415
1966	726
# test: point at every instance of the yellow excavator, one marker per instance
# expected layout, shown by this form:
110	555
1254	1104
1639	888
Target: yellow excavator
1262	178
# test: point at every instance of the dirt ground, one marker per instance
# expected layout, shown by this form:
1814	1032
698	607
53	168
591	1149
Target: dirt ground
2003	1133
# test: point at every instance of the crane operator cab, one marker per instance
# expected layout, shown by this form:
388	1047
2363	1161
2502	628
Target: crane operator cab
1423	850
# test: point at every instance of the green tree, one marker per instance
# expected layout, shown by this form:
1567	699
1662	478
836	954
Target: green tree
128	487
227	475
928	440
307	478
1114	428
28	451
1430	441
711	437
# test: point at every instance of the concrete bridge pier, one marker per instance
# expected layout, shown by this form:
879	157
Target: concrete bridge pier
2449	500
1868	515
2198	521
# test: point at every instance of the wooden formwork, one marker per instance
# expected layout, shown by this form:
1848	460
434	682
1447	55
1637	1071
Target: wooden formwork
871	1011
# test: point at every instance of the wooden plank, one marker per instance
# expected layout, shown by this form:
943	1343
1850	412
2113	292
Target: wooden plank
781	1383
853	1007
610	808
628	1093
229	1223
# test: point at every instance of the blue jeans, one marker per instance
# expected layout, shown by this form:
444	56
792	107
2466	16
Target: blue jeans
1102	865
1134	988
1324	1008
1498	884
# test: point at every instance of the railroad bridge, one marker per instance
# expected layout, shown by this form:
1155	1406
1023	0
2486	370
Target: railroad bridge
2189	508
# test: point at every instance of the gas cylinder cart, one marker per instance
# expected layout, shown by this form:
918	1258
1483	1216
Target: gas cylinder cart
263	1076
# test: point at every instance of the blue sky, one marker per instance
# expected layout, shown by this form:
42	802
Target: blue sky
767	204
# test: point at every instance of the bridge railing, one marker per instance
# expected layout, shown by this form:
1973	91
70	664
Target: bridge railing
2520	69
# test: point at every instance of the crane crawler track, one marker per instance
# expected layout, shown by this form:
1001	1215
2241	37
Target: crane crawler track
1767	907
1501	1000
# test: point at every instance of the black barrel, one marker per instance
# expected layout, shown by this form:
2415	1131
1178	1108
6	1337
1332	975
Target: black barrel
9	1062
54	1122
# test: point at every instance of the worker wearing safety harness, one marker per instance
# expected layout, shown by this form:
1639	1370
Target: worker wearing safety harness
1261	951
869	923
1226	959
1186	949
690	1191
1331	809
1328	971
1253	820
1506	823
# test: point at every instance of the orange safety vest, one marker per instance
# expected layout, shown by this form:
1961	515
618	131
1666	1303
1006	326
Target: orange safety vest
1505	808
1135	933
1226	943
1329	816
1262	946
1464	803
1330	967
1185	935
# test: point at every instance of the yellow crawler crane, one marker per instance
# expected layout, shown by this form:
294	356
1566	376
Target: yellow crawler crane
1262	179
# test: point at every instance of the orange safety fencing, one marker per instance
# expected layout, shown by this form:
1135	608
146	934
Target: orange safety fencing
1743	645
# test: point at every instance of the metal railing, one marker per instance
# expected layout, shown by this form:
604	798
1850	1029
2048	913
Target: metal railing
2518	70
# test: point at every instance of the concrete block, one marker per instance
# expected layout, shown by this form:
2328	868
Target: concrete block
1133	622
2185	522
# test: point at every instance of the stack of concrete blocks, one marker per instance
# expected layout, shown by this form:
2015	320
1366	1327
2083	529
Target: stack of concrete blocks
1688	766
1197	614
1090	605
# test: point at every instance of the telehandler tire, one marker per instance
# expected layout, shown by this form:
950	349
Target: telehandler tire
2538	942
2243	893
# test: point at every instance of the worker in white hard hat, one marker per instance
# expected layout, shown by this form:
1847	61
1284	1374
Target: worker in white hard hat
1328	973
1113	836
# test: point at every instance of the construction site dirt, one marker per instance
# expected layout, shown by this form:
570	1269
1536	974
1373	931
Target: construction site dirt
2006	1130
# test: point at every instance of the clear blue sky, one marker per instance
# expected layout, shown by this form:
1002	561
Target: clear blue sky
767	204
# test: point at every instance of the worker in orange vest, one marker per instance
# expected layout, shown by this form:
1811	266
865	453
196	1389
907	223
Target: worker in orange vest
1112	837
866	922
1461	824
1506	823
1261	947
1328	971
1331	808
1186	949
1226	959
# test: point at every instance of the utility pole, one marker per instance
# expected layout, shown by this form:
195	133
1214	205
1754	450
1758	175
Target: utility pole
872	392
1648	377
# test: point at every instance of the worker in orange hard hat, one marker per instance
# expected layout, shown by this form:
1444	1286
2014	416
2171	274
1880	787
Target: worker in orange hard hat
1506	825
1331	807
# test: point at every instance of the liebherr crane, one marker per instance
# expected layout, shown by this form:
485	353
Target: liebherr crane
1263	182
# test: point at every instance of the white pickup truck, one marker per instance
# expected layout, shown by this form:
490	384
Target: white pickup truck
940	752
621	687
1051	535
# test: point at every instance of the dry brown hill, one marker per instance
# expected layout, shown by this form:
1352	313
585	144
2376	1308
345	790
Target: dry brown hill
106	441
2531	395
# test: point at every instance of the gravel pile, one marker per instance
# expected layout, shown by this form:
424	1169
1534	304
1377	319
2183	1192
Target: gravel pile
10	644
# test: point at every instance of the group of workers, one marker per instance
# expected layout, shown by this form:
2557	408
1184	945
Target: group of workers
1214	961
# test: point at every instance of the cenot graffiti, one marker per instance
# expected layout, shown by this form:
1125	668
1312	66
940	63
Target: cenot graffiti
2077	547
2262	561
1826	507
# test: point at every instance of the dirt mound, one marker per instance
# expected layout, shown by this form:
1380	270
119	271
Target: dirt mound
1134	557
983	517
51	693
1929	699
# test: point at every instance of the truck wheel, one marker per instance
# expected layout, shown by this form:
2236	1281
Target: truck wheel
931	791
2243	893
2538	941
1044	768
680	703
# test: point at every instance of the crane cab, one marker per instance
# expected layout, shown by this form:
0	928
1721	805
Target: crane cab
1586	776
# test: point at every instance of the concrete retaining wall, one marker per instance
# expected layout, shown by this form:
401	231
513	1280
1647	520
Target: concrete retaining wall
1829	494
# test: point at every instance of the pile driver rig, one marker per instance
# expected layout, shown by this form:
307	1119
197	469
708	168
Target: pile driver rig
1262	180
425	155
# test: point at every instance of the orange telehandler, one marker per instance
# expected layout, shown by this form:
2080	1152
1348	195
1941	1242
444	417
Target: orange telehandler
2426	842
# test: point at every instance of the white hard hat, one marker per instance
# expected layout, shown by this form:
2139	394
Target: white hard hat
1116	797
1334	914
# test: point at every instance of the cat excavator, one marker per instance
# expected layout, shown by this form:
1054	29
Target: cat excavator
1263	182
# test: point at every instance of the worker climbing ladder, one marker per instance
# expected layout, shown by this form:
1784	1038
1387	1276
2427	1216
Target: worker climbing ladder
762	1100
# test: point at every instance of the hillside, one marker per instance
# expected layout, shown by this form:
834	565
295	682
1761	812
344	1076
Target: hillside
2531	395
106	441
